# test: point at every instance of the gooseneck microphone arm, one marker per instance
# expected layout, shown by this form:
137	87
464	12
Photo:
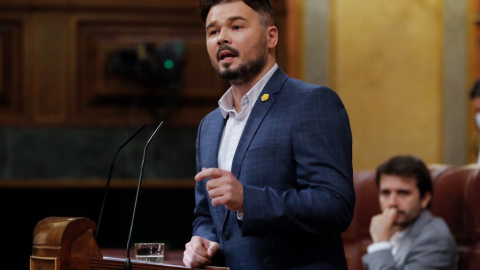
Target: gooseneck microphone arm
110	176
128	265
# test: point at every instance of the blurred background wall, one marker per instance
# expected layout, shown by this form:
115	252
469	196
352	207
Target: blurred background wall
403	70
77	77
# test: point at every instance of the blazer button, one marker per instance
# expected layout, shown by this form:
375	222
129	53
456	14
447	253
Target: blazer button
226	236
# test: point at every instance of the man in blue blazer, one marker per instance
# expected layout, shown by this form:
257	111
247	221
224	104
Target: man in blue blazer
274	185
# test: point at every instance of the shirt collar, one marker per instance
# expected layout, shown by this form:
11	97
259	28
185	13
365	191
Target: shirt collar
226	104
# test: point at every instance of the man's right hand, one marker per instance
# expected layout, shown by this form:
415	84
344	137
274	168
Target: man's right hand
199	252
382	225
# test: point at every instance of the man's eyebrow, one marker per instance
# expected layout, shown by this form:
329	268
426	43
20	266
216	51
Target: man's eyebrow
231	19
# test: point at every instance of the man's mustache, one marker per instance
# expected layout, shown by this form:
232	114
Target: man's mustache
401	212
225	47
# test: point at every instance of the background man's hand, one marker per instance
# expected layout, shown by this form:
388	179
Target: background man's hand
223	188
199	252
382	225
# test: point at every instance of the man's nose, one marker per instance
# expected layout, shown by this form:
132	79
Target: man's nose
223	38
393	200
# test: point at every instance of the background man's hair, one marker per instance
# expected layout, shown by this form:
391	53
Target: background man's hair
475	91
407	166
263	7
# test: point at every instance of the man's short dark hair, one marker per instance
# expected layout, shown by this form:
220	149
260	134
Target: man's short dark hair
264	7
475	91
407	166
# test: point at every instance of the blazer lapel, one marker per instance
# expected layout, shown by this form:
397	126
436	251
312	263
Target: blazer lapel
215	131
410	235
260	109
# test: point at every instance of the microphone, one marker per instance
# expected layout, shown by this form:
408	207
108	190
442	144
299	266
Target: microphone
110	176
128	264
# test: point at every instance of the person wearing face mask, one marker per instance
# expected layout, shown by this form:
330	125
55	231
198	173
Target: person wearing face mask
475	98
406	235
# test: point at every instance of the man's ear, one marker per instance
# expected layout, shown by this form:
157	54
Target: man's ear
425	200
272	36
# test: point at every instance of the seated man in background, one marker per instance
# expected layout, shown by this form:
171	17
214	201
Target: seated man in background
406	235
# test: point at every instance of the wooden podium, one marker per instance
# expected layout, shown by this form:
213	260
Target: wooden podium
67	243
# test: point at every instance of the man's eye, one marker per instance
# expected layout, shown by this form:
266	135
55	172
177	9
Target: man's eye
213	32
237	27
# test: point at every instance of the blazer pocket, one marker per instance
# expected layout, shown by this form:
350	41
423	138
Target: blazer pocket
263	149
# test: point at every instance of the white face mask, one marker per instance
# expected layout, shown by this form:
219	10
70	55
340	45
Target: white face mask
477	119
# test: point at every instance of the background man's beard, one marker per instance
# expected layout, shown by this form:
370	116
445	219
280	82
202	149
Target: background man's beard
406	222
244	72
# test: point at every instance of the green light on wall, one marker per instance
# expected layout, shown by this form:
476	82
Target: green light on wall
168	64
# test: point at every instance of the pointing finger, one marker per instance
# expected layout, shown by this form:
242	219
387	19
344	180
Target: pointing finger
208	173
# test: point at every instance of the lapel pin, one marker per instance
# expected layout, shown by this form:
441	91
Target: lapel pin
265	97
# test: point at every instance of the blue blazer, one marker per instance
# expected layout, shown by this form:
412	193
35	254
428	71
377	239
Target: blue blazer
294	160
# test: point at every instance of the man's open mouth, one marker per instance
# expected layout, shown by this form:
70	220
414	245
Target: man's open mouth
226	52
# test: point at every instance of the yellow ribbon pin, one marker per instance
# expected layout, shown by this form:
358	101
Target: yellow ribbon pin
265	97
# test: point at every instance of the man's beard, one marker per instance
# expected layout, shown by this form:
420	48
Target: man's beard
245	72
407	220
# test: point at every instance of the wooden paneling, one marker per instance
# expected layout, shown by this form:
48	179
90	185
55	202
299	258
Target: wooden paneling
55	59
12	100
13	3
101	94
50	62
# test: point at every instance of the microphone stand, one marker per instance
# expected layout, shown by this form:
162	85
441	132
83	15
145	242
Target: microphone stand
110	176
128	264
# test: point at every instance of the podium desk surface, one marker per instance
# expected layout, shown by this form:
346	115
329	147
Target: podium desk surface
174	257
